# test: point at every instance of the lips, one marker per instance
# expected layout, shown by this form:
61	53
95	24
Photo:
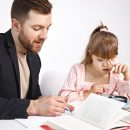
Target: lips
106	69
38	44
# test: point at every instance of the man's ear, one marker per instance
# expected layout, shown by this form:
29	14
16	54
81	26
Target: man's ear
15	25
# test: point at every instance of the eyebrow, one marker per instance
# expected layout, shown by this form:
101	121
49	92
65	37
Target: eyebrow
40	25
49	25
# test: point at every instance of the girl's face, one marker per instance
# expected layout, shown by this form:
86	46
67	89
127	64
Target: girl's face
101	65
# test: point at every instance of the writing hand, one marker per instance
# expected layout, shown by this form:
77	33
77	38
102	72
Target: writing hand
47	106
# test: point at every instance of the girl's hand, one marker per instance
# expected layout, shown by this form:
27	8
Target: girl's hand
122	68
97	88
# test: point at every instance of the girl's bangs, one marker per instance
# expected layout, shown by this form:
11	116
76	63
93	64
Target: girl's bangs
106	51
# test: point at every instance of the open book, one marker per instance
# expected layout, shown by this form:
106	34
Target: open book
95	113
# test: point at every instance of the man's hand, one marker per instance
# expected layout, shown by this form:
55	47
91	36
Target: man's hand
47	106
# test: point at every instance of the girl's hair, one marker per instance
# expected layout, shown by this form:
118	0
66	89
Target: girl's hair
102	43
21	8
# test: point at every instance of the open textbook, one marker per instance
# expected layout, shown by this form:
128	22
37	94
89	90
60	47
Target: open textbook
98	111
95	113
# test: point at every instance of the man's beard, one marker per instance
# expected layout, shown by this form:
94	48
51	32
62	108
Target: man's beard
25	43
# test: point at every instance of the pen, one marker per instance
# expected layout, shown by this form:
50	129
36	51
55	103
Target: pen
119	127
69	108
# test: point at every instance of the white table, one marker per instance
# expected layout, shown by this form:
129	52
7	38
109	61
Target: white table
14	125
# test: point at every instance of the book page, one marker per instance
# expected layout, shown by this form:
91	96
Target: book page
126	119
95	113
33	121
68	122
64	122
120	115
99	110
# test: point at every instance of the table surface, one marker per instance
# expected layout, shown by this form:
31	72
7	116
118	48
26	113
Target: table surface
14	125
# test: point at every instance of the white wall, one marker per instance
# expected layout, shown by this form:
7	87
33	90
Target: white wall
73	21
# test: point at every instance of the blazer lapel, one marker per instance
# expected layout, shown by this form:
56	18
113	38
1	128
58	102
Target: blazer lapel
13	55
32	69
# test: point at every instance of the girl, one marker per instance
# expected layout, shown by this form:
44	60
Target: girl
98	72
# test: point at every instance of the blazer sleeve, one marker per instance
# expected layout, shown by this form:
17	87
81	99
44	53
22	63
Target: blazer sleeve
13	108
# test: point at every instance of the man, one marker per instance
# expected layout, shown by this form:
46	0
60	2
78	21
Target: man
20	64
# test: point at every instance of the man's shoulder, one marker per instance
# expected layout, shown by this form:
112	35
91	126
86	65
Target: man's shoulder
2	39
6	38
2	36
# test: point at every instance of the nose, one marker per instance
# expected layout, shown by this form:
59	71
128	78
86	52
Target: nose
43	34
106	63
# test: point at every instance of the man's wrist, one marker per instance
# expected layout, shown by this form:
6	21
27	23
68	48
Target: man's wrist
31	108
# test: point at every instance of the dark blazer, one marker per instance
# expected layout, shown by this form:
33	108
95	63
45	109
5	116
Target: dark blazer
11	106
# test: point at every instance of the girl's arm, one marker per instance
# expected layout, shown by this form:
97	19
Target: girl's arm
70	90
122	85
122	68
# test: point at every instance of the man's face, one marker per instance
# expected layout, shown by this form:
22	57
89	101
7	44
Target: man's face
33	32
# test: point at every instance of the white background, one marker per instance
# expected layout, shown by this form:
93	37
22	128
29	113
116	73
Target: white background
73	21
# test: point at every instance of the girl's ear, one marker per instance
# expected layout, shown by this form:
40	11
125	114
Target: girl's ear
15	25
90	56
89	52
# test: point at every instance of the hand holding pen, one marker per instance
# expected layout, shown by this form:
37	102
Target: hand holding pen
68	107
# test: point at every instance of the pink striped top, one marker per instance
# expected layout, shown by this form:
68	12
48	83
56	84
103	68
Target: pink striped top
75	84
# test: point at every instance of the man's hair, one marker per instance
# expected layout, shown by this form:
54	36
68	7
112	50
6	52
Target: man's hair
21	8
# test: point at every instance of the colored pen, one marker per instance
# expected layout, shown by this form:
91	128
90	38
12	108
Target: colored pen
119	127
69	108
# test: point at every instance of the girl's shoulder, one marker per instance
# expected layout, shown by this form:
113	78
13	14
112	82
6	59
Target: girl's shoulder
79	66
79	70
